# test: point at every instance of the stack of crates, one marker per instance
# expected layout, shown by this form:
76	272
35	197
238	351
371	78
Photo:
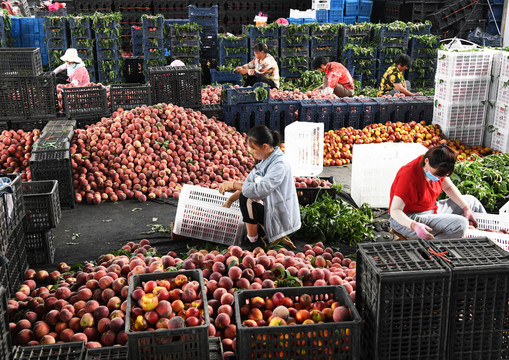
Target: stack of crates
185	44
423	49
233	52
263	35
365	61
179	85
32	35
208	19
51	160
55	29
351	11
81	40
153	41
500	121
403	297
324	41
365	7
336	11
132	11
168	24
108	47
390	42
462	84
321	8
137	40
295	41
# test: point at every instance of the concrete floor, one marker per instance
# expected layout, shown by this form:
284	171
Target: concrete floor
87	231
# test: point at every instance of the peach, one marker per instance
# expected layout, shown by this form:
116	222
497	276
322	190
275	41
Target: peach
222	321
79	337
235	273
176	322
66	335
281	312
164	308
87	320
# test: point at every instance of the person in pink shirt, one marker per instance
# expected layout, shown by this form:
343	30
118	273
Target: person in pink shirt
76	72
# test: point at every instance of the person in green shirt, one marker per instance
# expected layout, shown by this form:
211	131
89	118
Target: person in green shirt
393	81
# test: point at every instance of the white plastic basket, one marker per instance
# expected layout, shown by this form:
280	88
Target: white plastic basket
374	167
299	14
501	117
320	4
449	115
462	89
468	135
500	141
493	222
493	93
304	147
464	63
504	210
201	215
504	63
497	62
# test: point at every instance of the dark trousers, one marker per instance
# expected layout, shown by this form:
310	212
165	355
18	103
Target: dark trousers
61	78
253	79
253	212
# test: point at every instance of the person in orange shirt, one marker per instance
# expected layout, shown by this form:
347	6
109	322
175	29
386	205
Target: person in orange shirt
337	78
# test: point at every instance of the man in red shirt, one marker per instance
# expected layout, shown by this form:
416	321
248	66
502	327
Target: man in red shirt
337	78
415	212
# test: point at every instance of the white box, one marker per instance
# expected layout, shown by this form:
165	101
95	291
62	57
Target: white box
504	63
493	222
501	117
320	4
201	215
503	90
304	147
298	14
374	167
447	114
464	63
462	89
500	141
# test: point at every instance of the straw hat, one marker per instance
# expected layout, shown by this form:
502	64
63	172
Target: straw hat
71	55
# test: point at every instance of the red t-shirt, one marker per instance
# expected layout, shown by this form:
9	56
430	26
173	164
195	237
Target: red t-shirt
337	73
412	187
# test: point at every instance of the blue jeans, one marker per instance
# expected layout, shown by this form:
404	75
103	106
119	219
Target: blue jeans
447	223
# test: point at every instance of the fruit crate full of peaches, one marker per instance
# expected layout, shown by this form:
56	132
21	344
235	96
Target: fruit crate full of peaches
310	189
167	316
317	322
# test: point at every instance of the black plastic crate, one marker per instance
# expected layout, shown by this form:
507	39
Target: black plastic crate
28	125
20	62
42	205
12	104
337	340
234	96
316	111
13	209
164	87
4	281
129	96
295	51
40	248
40	95
338	114
479	307
403	297
453	13
107	353
133	70
189	86
185	343
309	195
213	110
5	336
63	351
85	101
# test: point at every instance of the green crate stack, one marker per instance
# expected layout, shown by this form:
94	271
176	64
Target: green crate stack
295	41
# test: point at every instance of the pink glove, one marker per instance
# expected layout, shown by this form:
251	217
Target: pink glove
470	216
422	230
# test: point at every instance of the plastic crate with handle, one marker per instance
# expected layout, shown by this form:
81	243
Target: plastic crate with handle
42	205
331	340
478	306
129	96
494	223
304	147
308	195
20	62
183	343
403	297
85	101
234	96
63	351
201	215
108	353
40	248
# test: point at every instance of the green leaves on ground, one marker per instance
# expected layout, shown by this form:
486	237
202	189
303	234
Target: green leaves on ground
335	221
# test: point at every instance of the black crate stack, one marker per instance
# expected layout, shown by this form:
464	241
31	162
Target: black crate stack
179	85
5	334
324	41
417	10
391	43
57	39
51	160
136	40
153	41
185	43
90	7
403	297
423	48
358	53
295	40
27	95
12	213
233	52
108	48
131	11
82	40
207	18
